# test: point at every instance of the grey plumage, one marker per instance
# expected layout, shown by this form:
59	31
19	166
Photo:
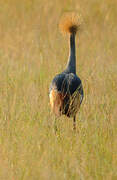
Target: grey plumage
66	91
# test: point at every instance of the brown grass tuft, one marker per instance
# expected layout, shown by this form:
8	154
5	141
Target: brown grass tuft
70	23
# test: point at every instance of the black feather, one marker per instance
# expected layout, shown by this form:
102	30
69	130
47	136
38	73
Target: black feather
67	84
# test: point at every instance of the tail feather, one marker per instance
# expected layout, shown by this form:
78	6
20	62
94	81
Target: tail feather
70	23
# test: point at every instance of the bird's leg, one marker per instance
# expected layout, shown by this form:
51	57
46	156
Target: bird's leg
74	123
55	125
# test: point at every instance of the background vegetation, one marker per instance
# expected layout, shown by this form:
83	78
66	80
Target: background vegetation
32	51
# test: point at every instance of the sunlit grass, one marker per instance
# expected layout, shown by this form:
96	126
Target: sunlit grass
32	51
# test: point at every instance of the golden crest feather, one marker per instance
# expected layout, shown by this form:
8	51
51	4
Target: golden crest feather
70	23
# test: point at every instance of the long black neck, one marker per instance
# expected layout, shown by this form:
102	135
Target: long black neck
71	65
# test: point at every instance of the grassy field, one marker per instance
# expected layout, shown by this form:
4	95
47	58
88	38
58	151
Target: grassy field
32	51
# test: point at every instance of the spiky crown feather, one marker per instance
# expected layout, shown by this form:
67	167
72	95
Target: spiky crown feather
70	23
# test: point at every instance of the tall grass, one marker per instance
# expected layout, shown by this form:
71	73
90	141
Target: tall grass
32	51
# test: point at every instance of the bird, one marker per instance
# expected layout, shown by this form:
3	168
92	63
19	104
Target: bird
66	90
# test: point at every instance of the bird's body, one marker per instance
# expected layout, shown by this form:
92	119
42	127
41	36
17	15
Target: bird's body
69	89
66	92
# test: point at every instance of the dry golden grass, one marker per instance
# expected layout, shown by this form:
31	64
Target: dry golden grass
32	51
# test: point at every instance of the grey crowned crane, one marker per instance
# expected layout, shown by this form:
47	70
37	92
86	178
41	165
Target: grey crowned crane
66	91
